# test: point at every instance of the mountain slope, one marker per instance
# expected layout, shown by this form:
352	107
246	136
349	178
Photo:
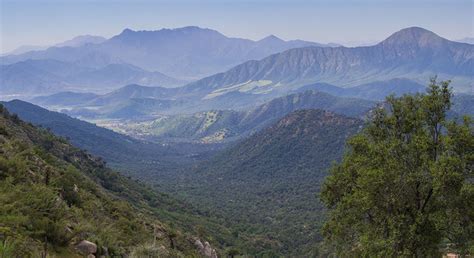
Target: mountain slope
133	91
373	91
412	53
55	196
133	99
51	76
187	53
81	40
74	42
122	74
120	151
463	104
64	99
267	184
229	125
467	40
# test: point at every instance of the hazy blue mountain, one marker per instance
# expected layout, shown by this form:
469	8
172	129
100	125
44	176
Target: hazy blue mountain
373	91
114	75
131	101
23	49
42	76
133	91
412	53
189	52
81	41
64	99
74	42
229	125
468	40
463	104
137	102
35	76
268	183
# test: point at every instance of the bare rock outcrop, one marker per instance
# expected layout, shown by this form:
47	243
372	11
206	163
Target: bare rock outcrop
205	248
86	247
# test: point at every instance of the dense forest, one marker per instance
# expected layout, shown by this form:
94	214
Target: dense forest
267	185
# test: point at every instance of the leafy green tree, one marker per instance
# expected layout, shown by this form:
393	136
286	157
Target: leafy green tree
406	184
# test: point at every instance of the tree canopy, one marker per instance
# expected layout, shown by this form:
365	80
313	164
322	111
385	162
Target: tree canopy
405	186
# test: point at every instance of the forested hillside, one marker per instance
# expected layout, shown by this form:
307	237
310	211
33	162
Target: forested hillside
120	151
267	185
54	196
216	126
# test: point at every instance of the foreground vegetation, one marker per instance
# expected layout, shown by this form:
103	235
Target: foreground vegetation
54	196
405	188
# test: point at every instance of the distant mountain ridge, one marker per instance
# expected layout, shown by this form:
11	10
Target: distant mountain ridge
81	40
142	102
468	40
412	53
377	91
189	52
229	125
74	42
49	76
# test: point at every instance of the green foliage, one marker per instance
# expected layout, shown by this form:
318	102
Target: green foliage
7	248
53	195
264	187
132	156
405	187
149	250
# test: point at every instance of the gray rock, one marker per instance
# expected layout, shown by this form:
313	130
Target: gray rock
86	247
205	249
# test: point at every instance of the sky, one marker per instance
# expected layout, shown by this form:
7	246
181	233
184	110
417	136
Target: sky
350	22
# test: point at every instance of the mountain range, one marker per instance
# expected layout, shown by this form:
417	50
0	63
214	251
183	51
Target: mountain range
143	103
376	91
249	70
32	77
412	53
185	53
229	125
74	42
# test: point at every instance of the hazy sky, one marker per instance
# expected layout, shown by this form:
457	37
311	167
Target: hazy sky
43	22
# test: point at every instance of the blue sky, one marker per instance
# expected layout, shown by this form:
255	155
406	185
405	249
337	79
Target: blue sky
43	22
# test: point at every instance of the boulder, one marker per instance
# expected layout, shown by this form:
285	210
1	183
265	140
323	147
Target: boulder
199	244
205	249
209	251
86	247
